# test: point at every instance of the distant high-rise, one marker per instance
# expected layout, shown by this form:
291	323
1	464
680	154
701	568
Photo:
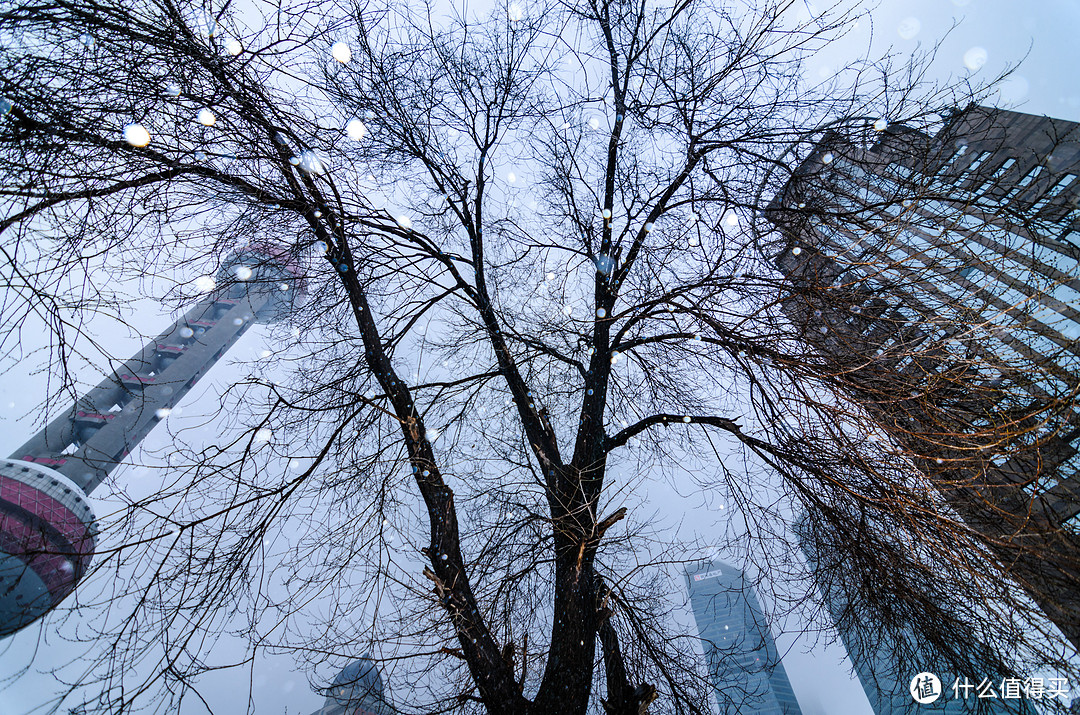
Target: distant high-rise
47	533
357	690
741	657
888	688
939	277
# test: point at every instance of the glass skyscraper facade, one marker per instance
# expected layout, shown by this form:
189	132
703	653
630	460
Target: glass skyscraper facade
740	654
938	275
889	690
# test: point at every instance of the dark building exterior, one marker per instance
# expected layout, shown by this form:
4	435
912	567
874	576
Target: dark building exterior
47	532
937	274
740	654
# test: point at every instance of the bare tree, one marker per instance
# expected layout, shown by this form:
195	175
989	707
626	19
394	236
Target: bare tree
572	285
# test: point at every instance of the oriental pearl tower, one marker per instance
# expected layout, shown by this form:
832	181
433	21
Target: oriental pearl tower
47	532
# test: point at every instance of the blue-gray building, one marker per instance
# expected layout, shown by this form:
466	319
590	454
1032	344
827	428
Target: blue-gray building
357	690
744	666
891	692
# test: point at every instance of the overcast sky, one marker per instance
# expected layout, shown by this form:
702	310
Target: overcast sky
992	33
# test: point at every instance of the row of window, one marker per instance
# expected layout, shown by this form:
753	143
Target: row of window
914	245
1025	181
1054	254
1006	263
944	298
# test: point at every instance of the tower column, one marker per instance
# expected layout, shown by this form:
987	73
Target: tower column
102	427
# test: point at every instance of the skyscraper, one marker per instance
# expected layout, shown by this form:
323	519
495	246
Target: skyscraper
357	690
887	685
740	654
937	273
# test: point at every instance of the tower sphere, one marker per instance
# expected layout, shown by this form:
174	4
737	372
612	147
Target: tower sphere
46	541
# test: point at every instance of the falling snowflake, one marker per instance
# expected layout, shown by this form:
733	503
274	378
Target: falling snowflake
206	117
341	52
975	58
264	435
909	27
311	163
205	24
136	135
356	129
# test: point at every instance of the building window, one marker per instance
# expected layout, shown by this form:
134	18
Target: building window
956	155
1024	182
1054	191
995	176
973	166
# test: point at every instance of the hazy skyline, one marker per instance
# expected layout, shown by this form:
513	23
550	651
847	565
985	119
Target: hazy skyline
996	30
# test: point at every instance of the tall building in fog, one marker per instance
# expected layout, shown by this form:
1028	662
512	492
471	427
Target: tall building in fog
887	687
357	690
937	273
740	655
